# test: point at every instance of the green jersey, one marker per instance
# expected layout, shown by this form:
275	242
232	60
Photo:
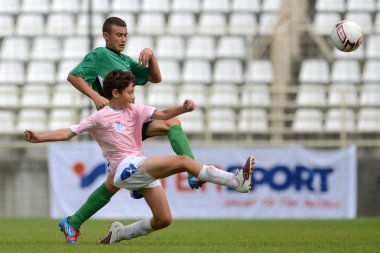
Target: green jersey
99	61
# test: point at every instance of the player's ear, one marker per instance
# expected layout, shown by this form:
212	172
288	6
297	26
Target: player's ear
105	36
115	93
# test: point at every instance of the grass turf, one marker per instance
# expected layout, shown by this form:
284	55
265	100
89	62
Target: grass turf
232	236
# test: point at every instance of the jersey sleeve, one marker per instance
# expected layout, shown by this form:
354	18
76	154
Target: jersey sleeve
145	112
141	73
87	68
86	125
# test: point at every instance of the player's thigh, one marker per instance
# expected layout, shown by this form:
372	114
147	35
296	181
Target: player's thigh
109	183
164	166
156	199
160	127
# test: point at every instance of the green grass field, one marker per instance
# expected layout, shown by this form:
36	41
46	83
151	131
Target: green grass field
232	236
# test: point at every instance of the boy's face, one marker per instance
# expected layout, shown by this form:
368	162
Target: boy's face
117	38
126	97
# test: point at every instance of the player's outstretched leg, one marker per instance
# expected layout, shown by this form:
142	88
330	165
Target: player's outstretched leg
70	233
240	181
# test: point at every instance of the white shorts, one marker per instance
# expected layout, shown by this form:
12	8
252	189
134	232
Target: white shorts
129	177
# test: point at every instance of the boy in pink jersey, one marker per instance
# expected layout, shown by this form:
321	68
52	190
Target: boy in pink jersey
117	130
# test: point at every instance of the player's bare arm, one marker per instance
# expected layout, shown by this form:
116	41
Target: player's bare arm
56	135
187	106
147	57
80	84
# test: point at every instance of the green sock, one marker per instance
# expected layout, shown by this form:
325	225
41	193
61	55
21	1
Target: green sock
99	198
179	142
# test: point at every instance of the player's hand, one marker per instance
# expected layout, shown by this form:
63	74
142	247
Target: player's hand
31	136
188	105
100	102
145	56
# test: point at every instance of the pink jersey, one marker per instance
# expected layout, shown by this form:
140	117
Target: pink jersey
118	132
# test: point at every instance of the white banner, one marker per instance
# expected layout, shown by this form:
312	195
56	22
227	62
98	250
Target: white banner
288	182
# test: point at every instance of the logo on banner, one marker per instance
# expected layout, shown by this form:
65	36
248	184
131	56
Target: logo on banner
280	178
87	179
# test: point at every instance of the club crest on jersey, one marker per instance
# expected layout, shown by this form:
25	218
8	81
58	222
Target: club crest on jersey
119	126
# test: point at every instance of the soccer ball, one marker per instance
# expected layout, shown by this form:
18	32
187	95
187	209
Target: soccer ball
347	36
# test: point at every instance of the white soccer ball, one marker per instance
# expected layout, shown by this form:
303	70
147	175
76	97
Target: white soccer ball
347	36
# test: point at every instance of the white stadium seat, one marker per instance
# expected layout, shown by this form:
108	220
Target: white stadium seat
220	93
161	95
137	43
151	23
371	71
155	6
172	47
197	71
7	121
15	48
193	122
311	95
37	95
246	6
181	23
60	24
41	72
330	5
35	6
308	120
228	71
242	24
324	22
12	72
257	95
212	24
364	19
35	119
46	48
69	6
231	47
10	6
368	120
342	94
197	92
267	23
338	120
259	71
7	25
346	71
202	47
170	71
9	96
362	5
61	118
221	120
65	95
30	25
132	6
370	94
192	6
372	46
314	71
81	26
253	120
75	47
222	6
64	68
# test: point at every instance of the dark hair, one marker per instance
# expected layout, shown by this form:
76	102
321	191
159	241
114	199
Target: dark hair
113	21
117	79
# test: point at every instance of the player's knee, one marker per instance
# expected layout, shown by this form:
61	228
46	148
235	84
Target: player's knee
173	122
163	221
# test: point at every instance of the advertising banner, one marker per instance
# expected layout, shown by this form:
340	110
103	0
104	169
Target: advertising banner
288	183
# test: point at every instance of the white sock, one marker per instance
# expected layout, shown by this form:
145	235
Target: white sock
136	229
217	176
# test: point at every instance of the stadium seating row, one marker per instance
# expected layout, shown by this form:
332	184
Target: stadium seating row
245	121
165	46
135	6
225	70
249	95
198	70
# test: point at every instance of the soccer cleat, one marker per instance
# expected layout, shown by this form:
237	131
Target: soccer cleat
112	236
194	182
70	233
244	176
136	194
